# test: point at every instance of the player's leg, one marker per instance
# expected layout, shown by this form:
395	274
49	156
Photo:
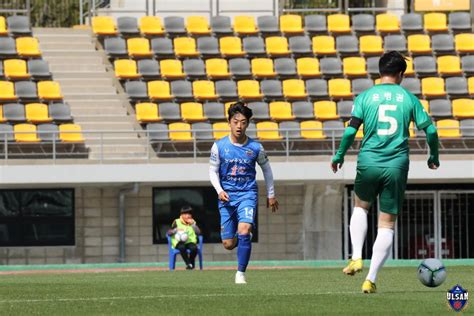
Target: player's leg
192	253
246	214
182	250
228	226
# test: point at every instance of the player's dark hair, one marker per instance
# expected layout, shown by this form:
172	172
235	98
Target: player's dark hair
186	209
392	63
239	107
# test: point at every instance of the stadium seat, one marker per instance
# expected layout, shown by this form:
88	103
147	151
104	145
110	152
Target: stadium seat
347	44
395	42
302	110
214	111
174	26
37	113
339	88
254	46
312	130
245	25
354	66
60	112
25	133
294	89
28	47
136	90
271	89
440	108
19	25
139	47
260	110
182	90
249	89
221	25
419	44
263	68
412	84
308	67
217	68
300	45
325	110
268	131
8	47
442	43
147	112
6	133
169	111
240	67
464	43
411	22
330	66
344	109
435	22
463	108
290	129
151	26
449	65
373	66
208	46
103	25
126	69
280	111
456	86
194	68
285	67
333	128
185	47
202	131
26	90
317	88
70	133
291	24
192	112
226	89
159	90
315	23
467	127
204	90
48	132
387	23
180	131
363	23
425	65
49	90
162	47
268	25
171	69
115	47
410	71
15	69
433	87
148	68
360	85
14	112
231	46
324	45
127	26
157	131
277	46
3	26
197	25
339	23
220	130
371	44
467	64
470	85
460	21
448	128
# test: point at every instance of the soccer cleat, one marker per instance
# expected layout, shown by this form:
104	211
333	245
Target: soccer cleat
353	267
368	287
240	278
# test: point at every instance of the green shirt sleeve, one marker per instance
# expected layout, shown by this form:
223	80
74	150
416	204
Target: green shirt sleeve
421	118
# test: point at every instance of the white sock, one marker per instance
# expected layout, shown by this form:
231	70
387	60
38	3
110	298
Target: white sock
240	273
358	229
381	251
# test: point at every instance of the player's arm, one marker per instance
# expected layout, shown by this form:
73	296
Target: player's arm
346	142
264	164
214	163
173	229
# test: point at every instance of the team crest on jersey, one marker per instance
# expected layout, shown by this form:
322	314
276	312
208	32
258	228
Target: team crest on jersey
249	153
457	298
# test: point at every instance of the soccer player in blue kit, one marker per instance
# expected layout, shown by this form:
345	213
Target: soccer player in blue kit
232	173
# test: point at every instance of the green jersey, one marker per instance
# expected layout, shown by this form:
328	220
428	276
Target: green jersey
386	111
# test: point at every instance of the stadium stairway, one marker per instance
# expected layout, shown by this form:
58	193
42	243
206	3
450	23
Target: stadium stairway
97	102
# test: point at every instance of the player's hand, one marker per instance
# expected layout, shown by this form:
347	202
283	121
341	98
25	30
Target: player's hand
433	163
273	203
223	196
336	164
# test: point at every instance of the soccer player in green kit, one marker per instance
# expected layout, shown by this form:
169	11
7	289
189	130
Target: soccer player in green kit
386	111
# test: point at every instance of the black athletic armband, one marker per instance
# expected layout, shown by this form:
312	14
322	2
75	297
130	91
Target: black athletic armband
355	122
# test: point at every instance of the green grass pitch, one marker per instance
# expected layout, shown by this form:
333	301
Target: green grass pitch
303	291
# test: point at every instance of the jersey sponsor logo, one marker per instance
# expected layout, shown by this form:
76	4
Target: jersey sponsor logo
457	298
249	153
238	160
213	157
238	179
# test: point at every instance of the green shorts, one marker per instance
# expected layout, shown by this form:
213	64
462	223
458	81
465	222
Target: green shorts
389	183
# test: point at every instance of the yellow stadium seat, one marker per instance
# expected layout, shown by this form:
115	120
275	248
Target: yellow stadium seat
217	68
139	47
435	22
277	46
172	69
227	105
308	67
410	70
433	87
126	69
204	90
192	112
325	110
220	130
463	108
449	65
249	89
339	88
464	42
354	66
470	85
268	131
37	113
339	23
25	133
15	69
49	90
245	25
70	133
263	68
151	25
147	112
448	128
426	105
2	117
324	45
419	44
387	23
7	91
159	90
231	46
197	25
28	47
371	44
185	47
181	131
280	110
312	130
103	25
291	24
411	130
3	26
294	89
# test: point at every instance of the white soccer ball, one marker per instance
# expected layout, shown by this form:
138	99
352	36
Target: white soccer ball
181	236
431	272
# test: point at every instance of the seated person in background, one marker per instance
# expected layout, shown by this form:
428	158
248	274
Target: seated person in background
183	233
